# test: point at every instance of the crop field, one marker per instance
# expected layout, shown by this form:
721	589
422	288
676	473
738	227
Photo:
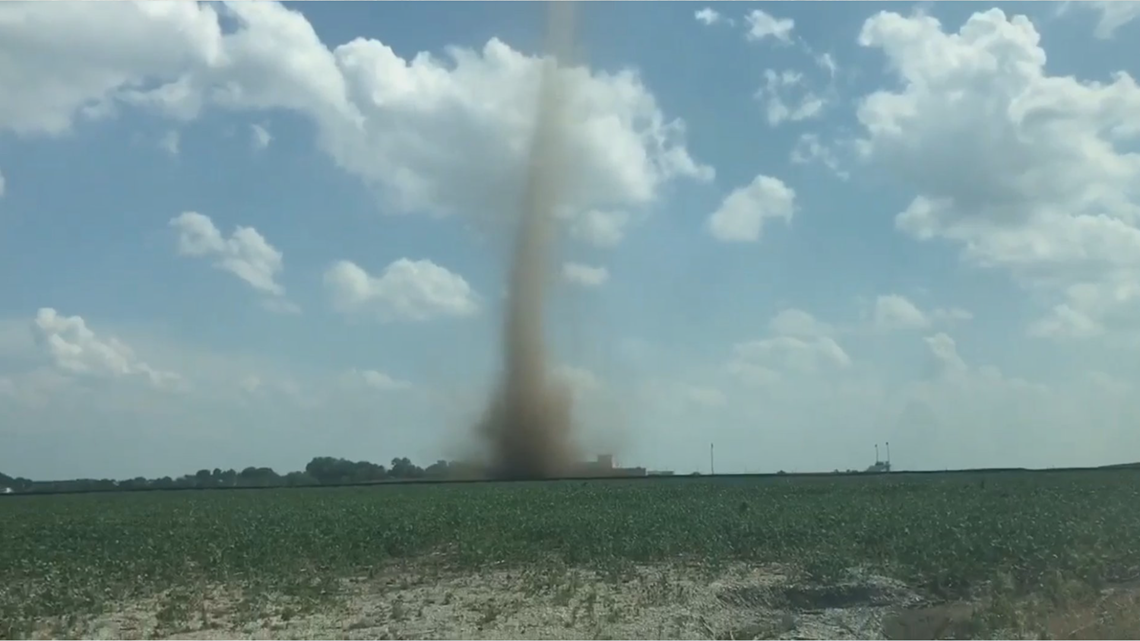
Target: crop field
1031	554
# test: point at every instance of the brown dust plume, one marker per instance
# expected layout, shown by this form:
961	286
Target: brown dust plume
528	424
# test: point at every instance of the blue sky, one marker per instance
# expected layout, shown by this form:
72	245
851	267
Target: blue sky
794	230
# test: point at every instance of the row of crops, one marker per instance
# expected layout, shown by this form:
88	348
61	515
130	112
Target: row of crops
61	554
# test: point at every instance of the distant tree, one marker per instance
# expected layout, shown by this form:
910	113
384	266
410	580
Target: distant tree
403	468
327	470
299	479
321	470
439	470
366	472
17	483
137	483
258	476
331	471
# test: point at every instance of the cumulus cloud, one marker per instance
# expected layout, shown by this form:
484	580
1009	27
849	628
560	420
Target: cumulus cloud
245	254
585	275
599	228
407	290
1065	322
796	322
89	55
762	25
707	16
75	349
944	352
787	97
798	345
742	214
896	312
395	123
792	353
1027	172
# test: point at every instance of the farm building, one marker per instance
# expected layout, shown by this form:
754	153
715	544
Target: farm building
604	466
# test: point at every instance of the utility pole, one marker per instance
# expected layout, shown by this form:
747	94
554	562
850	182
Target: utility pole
712	461
888	455
876	453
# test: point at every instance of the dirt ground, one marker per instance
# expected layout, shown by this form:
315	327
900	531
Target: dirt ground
735	602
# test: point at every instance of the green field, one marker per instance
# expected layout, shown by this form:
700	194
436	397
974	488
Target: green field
948	535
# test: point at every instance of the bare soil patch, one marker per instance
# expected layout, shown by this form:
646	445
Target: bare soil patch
738	601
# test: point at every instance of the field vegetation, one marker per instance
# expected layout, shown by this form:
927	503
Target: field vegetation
1016	538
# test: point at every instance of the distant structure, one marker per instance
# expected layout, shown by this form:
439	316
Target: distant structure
604	466
5	490
881	465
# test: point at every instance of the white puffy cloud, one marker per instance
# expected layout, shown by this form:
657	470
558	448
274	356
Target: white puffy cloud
415	112
893	311
796	322
896	312
1027	172
1065	322
792	353
57	63
407	290
585	275
742	214
396	123
707	16
762	25
799	345
599	228
778	94
75	349
260	136
944	351
245	254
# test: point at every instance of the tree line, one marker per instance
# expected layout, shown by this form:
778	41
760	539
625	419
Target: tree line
322	470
